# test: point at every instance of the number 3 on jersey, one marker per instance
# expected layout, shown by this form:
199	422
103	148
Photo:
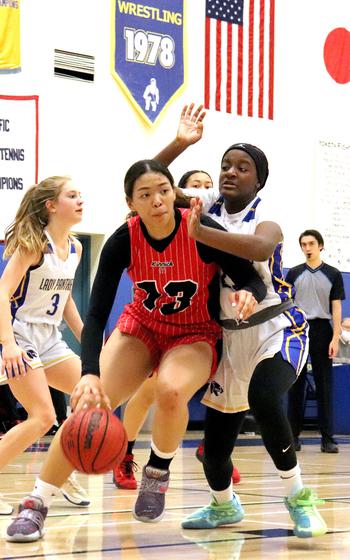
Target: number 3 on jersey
182	290
55	300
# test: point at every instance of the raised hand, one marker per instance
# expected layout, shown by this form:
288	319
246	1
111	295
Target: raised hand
190	128
189	131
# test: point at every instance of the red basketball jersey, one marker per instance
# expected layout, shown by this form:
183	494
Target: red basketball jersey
170	287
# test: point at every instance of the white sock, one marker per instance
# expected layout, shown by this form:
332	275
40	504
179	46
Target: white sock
47	492
222	496
291	481
162	454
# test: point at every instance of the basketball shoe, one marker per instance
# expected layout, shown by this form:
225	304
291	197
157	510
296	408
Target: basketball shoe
215	515
236	477
123	474
150	503
302	509
28	526
74	493
5	508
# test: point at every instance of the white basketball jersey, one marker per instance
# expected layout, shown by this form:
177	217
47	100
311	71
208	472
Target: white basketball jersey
43	292
246	222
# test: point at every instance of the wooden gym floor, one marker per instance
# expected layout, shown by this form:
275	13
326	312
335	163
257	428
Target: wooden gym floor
107	529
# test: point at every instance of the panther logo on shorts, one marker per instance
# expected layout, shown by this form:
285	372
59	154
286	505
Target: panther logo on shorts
32	354
216	388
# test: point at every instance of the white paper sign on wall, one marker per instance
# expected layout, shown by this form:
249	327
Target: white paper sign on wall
19	142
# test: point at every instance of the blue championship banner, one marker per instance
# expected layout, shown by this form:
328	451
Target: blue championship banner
148	52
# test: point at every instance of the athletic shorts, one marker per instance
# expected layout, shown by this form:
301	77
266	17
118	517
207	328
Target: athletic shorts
43	343
244	349
158	344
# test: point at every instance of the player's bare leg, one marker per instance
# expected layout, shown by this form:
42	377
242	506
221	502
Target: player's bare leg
41	414
125	363
182	371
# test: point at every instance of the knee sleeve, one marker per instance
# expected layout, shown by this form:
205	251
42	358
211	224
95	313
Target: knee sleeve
272	378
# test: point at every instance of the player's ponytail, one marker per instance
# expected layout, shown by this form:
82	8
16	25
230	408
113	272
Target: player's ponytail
27	230
181	200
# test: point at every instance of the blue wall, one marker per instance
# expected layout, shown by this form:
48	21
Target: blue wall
124	296
346	302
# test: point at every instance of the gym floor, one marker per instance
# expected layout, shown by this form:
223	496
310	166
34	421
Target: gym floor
107	529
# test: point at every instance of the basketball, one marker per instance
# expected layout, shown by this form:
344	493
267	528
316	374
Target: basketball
94	440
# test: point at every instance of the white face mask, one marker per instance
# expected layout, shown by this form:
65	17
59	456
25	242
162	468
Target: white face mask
345	337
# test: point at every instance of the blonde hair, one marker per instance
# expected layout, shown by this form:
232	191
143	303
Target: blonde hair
27	230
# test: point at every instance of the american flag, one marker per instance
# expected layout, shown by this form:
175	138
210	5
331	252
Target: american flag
239	57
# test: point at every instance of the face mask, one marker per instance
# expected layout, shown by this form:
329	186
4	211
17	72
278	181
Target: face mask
345	337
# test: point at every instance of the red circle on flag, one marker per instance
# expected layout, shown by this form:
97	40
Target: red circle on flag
336	54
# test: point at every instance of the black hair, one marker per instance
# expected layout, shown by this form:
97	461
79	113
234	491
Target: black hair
140	168
314	233
182	184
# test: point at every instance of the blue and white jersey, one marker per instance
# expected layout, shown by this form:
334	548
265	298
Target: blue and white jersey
244	349
246	222
43	292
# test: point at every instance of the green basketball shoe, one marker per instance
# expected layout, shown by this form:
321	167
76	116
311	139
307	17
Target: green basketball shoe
302	509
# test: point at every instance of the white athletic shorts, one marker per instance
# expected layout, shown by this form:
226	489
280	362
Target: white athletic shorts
43	343
244	349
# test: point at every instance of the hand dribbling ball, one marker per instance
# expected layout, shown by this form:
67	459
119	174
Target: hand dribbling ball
94	440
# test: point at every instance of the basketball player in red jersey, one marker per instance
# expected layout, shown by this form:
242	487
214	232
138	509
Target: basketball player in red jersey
168	326
137	408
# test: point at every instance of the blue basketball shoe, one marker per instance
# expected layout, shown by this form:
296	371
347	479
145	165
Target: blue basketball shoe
302	509
215	515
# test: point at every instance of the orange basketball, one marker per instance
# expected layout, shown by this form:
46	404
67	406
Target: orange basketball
94	440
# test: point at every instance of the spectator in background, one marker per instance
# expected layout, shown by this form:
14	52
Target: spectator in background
195	179
319	291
